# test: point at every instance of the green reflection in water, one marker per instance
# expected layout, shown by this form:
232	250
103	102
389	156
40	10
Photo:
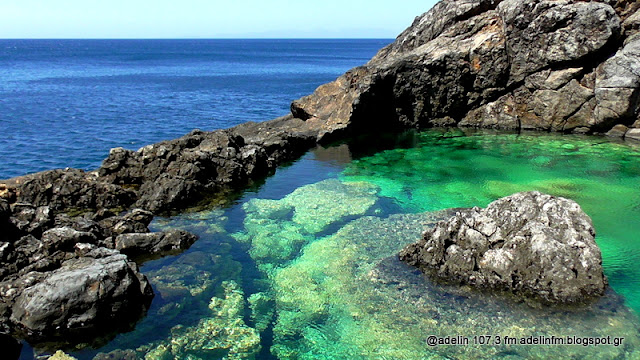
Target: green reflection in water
447	171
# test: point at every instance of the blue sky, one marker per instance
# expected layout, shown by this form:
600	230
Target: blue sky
207	18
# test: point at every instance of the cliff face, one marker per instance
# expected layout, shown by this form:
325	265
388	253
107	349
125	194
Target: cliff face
551	65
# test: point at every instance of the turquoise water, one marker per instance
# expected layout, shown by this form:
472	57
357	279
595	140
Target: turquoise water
304	266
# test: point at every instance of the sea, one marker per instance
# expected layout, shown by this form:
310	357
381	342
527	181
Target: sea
65	103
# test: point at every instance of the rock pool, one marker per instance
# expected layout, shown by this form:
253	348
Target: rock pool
304	267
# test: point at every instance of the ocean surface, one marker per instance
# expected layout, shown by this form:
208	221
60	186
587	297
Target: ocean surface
65	103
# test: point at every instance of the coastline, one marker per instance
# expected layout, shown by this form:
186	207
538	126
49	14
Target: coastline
470	63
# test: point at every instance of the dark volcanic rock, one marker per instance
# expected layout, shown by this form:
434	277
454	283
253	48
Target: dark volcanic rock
154	243
94	290
529	243
69	189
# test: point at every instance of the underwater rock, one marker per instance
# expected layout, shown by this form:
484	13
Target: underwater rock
83	294
61	355
277	229
193	274
224	335
117	355
135	244
529	243
262	310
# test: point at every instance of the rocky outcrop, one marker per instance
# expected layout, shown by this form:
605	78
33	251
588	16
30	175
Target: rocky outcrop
65	275
173	174
529	243
569	66
84	292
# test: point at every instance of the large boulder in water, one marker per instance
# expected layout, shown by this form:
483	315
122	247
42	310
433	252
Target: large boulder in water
529	243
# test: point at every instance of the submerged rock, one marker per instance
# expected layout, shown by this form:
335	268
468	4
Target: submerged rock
154	243
529	243
277	229
223	335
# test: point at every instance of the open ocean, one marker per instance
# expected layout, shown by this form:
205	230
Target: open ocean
65	103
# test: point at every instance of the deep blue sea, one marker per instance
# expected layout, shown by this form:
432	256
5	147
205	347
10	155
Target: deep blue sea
65	103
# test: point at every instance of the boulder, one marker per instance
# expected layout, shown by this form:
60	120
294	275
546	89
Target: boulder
633	134
85	292
136	221
154	243
617	131
532	244
65	238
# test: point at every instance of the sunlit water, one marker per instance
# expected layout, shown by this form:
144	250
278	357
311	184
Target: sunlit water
304	266
67	102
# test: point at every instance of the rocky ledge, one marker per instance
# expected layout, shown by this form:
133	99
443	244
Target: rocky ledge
552	65
534	245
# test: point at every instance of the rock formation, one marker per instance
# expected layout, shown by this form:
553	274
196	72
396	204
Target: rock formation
570	66
529	243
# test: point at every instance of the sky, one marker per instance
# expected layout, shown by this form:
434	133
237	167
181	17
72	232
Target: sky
207	18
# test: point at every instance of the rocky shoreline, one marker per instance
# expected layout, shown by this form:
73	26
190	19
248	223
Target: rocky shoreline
568	66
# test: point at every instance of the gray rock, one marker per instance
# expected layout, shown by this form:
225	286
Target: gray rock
30	219
68	190
136	221
84	292
154	243
532	244
544	32
551	80
617	131
618	85
633	134
65	238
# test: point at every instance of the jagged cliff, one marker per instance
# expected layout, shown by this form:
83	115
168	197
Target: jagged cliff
551	65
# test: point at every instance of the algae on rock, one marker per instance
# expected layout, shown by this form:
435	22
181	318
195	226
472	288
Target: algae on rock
277	229
223	335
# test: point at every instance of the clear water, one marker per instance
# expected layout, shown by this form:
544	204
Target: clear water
67	102
304	266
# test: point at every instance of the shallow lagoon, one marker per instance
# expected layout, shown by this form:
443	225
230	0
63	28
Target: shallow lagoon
304	267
